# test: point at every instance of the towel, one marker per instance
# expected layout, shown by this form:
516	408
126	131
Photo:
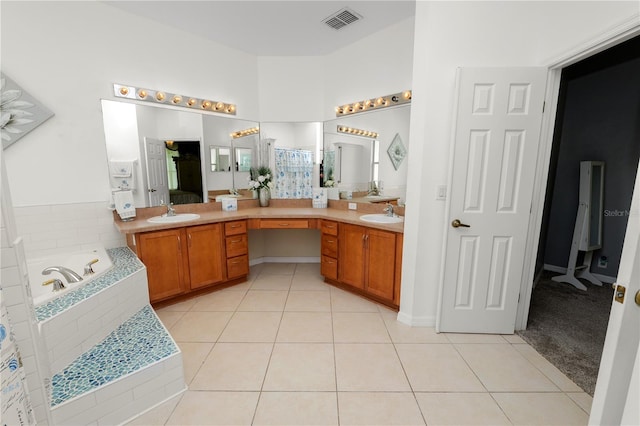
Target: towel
121	168
122	175
124	204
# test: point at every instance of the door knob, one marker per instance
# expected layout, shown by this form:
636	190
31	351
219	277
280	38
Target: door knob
637	298
151	190
457	224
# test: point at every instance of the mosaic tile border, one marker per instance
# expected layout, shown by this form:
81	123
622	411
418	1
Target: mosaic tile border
125	263
139	342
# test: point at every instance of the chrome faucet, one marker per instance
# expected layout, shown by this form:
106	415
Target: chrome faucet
170	210
57	284
88	268
389	210
233	191
67	273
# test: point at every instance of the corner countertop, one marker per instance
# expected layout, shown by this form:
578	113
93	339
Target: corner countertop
210	213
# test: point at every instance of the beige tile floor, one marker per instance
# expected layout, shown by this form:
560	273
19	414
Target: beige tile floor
287	349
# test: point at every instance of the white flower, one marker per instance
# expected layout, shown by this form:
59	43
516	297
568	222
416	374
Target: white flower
270	184
256	185
12	112
268	176
261	178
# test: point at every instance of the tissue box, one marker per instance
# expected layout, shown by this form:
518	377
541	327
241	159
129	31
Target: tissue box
229	204
319	200
333	193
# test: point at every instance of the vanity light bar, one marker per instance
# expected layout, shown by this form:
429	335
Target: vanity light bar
160	97
357	132
374	103
245	132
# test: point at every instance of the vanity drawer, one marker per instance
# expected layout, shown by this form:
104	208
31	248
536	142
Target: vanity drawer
329	227
284	223
235	227
237	267
329	267
329	245
236	245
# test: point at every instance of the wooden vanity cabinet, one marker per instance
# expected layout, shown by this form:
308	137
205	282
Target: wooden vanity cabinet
189	258
206	262
164	255
329	249
237	249
369	261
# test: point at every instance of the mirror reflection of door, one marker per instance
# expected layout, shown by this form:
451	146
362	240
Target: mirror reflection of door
184	171
157	178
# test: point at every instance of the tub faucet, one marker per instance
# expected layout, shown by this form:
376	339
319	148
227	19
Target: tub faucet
88	268
389	210
67	273
57	284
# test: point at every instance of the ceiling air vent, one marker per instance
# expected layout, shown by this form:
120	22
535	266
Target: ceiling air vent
342	18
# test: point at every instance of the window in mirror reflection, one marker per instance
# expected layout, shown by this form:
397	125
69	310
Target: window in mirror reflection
243	159
220	159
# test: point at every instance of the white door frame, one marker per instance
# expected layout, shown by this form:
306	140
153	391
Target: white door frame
616	35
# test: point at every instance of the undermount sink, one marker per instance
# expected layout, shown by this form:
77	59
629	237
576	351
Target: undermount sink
374	196
180	217
381	218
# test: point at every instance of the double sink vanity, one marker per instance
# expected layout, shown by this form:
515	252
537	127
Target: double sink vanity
203	248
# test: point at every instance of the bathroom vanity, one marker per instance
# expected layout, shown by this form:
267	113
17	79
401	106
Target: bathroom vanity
188	258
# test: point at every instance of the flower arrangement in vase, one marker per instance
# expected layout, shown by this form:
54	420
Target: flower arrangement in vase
260	179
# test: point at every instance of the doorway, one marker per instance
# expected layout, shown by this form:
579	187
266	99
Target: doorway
184	170
598	118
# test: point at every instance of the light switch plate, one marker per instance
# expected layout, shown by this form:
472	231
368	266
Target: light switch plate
441	192
353	206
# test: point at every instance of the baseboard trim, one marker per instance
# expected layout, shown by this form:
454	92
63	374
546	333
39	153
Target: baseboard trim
416	321
562	270
267	259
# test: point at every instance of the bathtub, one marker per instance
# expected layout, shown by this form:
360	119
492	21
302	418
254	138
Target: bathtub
74	260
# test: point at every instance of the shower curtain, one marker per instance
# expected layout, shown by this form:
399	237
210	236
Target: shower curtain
293	173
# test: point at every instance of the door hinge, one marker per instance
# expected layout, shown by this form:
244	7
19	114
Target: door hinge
544	104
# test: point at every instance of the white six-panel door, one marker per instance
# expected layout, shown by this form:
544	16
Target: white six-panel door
498	122
157	175
617	395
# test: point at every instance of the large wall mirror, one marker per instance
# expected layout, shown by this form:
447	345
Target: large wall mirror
355	163
176	156
293	151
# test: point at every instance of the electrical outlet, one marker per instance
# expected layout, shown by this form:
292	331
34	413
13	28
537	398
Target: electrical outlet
603	262
353	206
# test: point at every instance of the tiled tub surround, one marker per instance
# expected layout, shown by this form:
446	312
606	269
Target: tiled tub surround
75	322
124	262
137	366
75	260
89	331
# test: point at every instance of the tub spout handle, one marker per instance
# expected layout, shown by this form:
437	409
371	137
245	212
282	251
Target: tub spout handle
88	268
57	284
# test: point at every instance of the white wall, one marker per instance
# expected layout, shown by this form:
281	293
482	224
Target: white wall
471	34
378	65
67	55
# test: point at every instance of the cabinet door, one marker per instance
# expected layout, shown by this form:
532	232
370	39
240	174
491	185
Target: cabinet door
352	259
206	255
381	261
164	255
